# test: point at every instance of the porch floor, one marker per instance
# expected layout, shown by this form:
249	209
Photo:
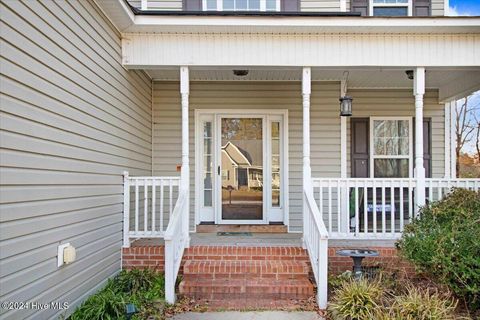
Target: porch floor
263	239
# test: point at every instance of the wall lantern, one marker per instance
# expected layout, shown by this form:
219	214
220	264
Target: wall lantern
345	100
346	106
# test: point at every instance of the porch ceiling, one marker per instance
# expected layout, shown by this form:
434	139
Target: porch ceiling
452	81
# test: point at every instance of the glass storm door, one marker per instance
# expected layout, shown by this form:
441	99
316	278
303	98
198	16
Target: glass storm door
241	169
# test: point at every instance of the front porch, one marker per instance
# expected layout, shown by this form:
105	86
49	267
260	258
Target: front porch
313	179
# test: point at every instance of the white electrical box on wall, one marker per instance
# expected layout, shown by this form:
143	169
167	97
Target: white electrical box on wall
66	254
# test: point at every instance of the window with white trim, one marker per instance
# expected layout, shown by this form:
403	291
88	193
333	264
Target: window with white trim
390	8
241	5
391	147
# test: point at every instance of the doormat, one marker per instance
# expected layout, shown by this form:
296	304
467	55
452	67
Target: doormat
230	234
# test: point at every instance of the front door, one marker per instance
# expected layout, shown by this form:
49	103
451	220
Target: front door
240	167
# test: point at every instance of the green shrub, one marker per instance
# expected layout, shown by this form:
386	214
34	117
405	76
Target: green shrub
421	304
356	300
143	288
444	242
104	305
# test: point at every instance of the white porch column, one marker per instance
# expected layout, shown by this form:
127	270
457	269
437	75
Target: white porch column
185	171
419	91
306	92
344	214
307	172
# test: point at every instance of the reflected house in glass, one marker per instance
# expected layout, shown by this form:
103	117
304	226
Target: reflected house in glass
238	171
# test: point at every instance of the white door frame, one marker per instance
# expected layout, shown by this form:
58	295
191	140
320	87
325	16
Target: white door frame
270	214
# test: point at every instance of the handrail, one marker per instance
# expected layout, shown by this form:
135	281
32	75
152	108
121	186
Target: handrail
176	215
316	214
315	237
176	240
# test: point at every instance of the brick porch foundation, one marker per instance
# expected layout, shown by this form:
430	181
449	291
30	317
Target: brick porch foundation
153	257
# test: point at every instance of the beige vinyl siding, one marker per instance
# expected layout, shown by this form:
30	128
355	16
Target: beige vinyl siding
438	7
320	5
251	95
72	120
158	4
374	103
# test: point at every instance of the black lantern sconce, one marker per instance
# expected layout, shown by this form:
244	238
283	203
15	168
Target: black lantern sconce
345	101
346	106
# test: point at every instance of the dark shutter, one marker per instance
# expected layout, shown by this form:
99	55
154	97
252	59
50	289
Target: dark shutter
360	152
421	8
360	6
192	5
427	146
290	5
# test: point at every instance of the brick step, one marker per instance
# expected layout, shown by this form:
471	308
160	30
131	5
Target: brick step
247	269
246	253
234	289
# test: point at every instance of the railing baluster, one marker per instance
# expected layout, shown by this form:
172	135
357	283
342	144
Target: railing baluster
145	206
170	186
320	200
383	207
136	205
338	206
329	206
410	201
392	210
365	207
153	203
357	220
374	210
161	205
401	207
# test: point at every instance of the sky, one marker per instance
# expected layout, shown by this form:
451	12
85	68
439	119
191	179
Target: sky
464	8
473	102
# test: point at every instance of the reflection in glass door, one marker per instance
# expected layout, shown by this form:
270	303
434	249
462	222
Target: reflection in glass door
242	168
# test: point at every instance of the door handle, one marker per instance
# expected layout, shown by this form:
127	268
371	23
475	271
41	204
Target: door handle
218	170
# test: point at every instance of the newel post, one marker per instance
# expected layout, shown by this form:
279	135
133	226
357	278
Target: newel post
419	91
126	209
185	171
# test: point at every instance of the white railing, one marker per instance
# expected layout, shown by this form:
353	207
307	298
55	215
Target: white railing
315	238
437	188
148	206
375	208
176	240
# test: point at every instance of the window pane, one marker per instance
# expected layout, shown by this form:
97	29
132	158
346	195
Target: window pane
254	5
275	198
207	198
228	5
271	5
211	4
275	146
390	168
391	137
275	164
390	11
207	164
241	5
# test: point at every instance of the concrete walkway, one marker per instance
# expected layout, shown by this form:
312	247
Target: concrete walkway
254	315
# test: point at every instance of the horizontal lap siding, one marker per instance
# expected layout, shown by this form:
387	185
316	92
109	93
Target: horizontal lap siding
72	120
251	95
391	103
438	7
320	5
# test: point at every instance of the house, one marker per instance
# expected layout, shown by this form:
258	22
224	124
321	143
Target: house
158	90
